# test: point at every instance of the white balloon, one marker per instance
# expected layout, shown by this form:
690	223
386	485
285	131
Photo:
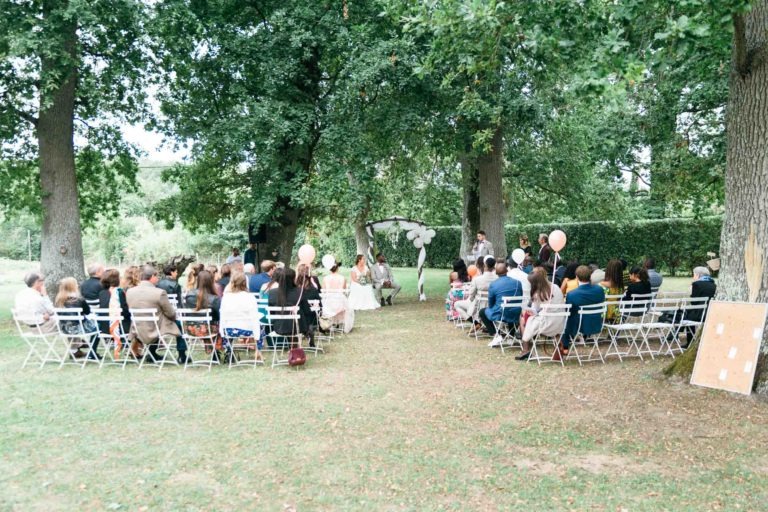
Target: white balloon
431	233
518	255
410	235
418	243
329	261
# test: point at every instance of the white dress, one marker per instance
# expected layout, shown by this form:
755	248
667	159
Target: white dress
361	296
335	302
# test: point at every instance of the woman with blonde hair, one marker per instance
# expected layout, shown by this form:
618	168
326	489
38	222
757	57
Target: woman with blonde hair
239	314
69	296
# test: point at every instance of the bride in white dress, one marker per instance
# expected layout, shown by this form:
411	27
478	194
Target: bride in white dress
361	290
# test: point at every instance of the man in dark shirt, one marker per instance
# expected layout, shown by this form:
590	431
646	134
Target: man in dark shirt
170	284
91	287
256	282
250	255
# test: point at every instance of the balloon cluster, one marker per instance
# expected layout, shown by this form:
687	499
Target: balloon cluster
420	236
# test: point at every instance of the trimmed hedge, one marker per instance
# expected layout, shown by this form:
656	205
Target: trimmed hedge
676	244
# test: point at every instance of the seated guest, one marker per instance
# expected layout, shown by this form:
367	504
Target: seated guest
249	269
653	277
457	278
516	273
224	277
148	296
91	287
561	269
336	305
69	297
204	298
256	282
239	314
194	271
569	282
383	278
469	307
131	277
531	323
32	304
613	284
480	264
528	264
703	286
277	277
305	282
638	283
586	294
502	287
112	297
598	276
286	294
170	283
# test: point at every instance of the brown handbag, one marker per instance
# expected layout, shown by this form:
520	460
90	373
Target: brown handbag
297	357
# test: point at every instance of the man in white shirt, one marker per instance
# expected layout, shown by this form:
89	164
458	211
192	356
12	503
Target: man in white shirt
234	257
470	306
383	278
33	305
515	273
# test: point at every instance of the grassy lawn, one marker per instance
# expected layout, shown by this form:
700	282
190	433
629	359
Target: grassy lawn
404	413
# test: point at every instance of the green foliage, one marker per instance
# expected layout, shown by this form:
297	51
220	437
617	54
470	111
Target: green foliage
676	244
15	235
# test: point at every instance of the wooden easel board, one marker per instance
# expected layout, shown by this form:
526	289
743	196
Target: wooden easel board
729	346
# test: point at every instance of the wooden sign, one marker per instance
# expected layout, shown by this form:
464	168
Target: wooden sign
729	346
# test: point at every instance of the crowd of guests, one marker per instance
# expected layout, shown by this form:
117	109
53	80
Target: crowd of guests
546	280
227	293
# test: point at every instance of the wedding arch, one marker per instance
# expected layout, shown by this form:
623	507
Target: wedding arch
417	232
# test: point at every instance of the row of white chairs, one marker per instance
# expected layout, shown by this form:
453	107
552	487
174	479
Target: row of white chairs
639	323
74	330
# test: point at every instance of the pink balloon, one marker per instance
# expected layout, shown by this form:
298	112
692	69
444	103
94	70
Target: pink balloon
557	240
306	254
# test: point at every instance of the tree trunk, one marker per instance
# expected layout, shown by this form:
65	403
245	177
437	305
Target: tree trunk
746	180
61	251
361	236
470	214
490	192
281	238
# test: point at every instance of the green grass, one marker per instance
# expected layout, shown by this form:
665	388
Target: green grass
403	414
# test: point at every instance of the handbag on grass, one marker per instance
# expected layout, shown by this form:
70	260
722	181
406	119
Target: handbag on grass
297	357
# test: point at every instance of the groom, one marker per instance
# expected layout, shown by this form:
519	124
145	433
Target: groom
382	278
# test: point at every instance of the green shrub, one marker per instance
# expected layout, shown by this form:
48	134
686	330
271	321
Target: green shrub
676	244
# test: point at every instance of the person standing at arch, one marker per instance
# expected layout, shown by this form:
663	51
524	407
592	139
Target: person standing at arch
545	253
383	278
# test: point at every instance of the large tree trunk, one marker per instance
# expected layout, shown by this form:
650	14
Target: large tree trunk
361	237
490	191
746	180
61	252
281	238
470	214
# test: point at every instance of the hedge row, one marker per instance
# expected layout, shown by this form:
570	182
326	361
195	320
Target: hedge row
676	244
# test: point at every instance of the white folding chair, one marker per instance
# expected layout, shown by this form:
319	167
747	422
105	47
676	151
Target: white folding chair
239	348
688	305
482	301
76	332
117	346
200	337
659	308
555	312
283	342
166	343
42	345
590	340
92	303
333	297
316	307
505	330
629	329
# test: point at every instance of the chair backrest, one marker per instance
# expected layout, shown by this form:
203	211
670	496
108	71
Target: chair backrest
92	303
314	305
636	308
665	305
675	295
512	302
28	325
694	303
193	316
282	313
71	316
655	289
173	298
592	311
641	296
555	311
102	315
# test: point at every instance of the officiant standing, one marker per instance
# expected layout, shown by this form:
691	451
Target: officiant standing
482	247
383	278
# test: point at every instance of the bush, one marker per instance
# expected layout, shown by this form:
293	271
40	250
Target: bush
674	243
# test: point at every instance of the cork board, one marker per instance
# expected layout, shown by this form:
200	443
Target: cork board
729	346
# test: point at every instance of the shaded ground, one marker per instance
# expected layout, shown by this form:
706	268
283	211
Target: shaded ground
404	414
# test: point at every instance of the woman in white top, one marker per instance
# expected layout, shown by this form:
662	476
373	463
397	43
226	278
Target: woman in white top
542	292
361	294
335	303
239	313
